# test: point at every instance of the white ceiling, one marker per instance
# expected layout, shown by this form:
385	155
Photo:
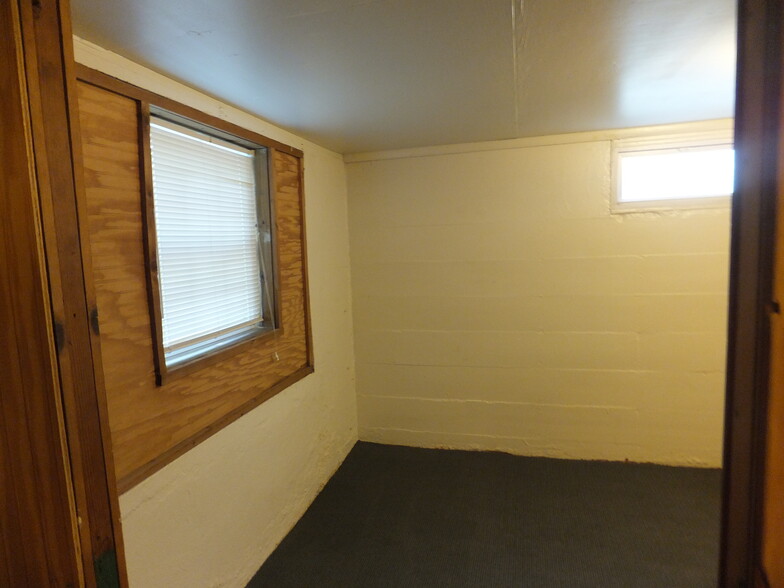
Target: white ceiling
367	75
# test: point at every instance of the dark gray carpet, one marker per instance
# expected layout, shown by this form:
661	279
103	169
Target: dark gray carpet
405	517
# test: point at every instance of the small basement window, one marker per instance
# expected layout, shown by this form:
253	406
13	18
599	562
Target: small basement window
673	172
212	239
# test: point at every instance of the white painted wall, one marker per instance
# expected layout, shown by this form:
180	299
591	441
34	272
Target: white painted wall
212	517
499	305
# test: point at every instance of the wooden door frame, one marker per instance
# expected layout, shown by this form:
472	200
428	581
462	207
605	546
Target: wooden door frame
758	98
38	522
61	510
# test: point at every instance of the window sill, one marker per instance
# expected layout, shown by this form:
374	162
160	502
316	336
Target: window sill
671	206
221	353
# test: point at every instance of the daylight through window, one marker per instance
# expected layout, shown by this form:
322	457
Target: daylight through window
672	174
210	226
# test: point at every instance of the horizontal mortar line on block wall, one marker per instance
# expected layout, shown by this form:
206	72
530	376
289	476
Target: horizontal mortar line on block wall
569	370
705	293
537	366
456	365
604	217
502	331
538	258
479	224
458	331
721	253
499	402
368	294
530	260
432	225
517	297
536	265
641	371
368	303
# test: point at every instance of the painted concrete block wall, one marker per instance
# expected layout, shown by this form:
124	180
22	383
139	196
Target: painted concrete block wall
212	517
499	305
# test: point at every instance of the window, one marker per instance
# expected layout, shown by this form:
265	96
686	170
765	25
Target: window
212	239
669	172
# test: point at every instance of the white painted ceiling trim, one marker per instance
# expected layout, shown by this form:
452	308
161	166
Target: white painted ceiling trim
722	125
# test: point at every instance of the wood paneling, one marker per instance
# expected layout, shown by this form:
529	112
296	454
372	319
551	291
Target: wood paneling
152	424
38	526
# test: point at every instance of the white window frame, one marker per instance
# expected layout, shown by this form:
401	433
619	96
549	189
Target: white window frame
665	143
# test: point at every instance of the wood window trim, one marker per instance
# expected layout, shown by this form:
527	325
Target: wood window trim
163	372
144	99
150	238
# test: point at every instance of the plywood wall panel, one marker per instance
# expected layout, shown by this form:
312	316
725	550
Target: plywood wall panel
151	423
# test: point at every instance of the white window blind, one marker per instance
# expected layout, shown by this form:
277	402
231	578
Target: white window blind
206	225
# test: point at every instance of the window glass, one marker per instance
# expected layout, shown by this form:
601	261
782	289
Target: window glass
700	173
672	171
210	270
